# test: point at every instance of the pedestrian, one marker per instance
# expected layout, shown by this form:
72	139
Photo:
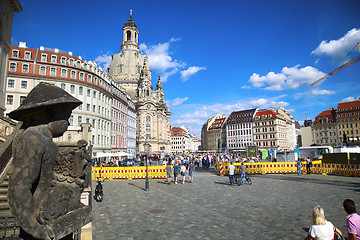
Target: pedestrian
243	172
169	172
191	170
299	166
352	220
182	172
231	173
321	228
176	172
308	165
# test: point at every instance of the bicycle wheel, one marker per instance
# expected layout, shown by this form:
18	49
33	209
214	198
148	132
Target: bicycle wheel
249	180
238	181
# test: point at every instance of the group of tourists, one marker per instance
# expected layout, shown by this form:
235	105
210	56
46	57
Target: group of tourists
325	230
182	169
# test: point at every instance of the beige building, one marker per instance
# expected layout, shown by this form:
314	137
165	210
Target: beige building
7	9
130	69
325	128
214	135
82	79
348	123
207	138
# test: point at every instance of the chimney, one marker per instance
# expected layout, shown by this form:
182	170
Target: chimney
22	44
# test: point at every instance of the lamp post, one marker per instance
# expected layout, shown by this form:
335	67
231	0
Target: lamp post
146	147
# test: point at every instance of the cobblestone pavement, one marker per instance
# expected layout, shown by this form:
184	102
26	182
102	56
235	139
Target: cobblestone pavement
273	207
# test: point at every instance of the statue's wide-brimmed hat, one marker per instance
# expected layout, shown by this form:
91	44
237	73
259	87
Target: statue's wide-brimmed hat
43	97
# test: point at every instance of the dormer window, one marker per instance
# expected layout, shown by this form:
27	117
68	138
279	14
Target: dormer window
15	53
28	55
71	62
43	57
77	63
63	60
53	58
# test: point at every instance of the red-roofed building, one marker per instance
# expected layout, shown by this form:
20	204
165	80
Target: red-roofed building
239	129
325	128
271	130
348	122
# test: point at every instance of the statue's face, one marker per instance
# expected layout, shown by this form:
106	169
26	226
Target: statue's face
58	128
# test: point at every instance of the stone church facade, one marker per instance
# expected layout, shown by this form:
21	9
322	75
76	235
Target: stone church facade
131	70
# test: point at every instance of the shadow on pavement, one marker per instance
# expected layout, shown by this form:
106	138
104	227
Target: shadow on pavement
307	179
132	184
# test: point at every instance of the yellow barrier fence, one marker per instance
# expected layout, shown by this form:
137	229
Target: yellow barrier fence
100	173
291	167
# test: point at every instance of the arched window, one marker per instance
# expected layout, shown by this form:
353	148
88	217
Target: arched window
148	121
128	36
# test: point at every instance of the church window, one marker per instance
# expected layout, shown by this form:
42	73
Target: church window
148	121
128	36
120	69
138	69
147	92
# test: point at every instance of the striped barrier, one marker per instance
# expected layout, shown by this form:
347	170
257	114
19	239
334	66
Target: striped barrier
127	172
291	167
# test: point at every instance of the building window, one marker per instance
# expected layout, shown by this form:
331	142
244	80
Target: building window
72	89
25	68
43	57
81	76
94	108
88	107
28	55
81	89
63	86
10	99
11	83
73	74
79	121
63	73
71	62
95	80
71	120
52	71
15	53
148	121
78	63
23	84
22	98
89	78
63	60
42	70
94	94
87	120
53	58
88	93
12	67
80	107
69	137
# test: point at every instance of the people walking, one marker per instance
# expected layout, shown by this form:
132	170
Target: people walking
169	172
243	172
298	166
352	220
308	166
231	173
176	172
191	170
182	172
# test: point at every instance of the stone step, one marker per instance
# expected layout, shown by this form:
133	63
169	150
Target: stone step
5	213
3	198
4	206
3	191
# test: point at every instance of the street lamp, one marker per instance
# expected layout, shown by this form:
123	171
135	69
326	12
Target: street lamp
146	147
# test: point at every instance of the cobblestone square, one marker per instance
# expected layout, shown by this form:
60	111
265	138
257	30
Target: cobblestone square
273	207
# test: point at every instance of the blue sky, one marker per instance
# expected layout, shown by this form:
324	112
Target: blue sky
215	56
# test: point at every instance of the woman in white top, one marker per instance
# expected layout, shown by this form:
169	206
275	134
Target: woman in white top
322	229
182	172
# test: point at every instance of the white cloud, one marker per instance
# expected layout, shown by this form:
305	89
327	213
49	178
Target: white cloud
338	49
322	92
160	59
178	101
289	78
349	99
104	60
186	74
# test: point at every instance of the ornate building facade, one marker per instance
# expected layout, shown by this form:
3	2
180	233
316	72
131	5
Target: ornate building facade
130	69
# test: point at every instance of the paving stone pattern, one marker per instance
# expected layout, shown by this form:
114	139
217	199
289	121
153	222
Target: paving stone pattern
273	207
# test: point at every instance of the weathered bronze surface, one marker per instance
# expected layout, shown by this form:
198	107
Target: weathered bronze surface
46	184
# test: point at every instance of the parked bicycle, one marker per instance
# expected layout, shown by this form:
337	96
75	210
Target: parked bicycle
238	181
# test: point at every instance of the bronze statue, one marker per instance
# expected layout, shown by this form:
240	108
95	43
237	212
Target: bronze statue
45	185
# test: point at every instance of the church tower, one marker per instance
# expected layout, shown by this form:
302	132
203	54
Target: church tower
131	70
